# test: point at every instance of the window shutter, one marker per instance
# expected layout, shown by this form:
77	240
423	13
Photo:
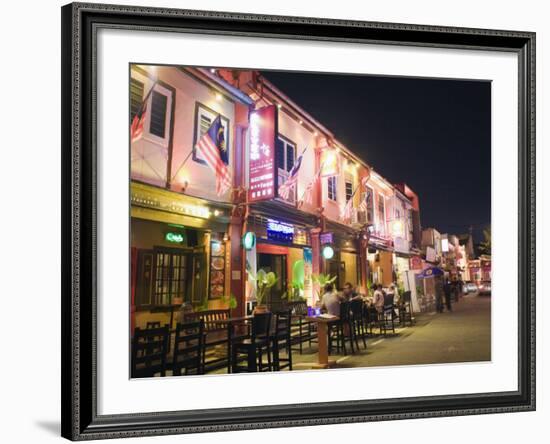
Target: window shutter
158	114
289	157
136	96
280	153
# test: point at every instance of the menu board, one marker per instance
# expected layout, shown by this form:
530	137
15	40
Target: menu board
217	269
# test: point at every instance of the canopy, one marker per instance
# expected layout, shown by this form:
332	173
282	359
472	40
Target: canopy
430	272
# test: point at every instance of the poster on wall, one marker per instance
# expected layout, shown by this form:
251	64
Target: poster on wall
261	173
308	272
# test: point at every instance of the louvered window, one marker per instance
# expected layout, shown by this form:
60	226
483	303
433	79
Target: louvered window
136	96
159	104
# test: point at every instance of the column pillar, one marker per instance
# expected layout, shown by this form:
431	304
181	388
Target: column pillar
237	274
363	260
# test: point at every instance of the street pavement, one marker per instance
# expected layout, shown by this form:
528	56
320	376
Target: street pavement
463	335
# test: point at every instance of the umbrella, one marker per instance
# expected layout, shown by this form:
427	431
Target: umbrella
431	271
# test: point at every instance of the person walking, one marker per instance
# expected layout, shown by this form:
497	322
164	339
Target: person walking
447	289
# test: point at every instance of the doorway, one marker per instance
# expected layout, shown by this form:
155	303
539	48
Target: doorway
276	263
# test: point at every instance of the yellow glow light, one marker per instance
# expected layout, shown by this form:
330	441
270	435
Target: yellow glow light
218	97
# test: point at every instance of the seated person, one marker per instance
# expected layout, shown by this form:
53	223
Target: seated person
330	302
349	293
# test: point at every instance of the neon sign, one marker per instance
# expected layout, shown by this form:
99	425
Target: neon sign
279	231
176	238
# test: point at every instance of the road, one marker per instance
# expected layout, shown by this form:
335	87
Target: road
463	335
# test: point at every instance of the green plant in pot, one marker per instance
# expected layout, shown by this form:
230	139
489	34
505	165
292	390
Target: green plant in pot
263	282
296	287
230	300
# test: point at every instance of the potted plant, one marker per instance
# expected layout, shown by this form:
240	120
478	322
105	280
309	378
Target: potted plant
263	282
231	301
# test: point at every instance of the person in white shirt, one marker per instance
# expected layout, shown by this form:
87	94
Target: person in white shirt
379	299
331	300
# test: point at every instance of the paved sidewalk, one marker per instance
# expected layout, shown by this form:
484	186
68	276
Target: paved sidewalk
461	336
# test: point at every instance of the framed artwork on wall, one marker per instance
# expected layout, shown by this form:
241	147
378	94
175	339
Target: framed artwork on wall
407	152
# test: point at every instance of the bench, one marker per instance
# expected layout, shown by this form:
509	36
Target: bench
215	333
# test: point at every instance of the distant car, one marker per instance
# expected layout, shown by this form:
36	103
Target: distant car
484	287
469	287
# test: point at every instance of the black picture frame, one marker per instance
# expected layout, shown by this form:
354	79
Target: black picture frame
80	420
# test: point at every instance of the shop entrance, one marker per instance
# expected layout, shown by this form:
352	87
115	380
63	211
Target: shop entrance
337	268
276	263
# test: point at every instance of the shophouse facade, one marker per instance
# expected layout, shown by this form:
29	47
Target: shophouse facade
187	241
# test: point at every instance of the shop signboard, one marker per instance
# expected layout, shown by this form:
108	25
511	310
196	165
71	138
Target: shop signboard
400	245
329	163
262	163
326	238
416	263
279	231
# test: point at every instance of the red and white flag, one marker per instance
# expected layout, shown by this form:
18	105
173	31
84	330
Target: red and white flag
213	150
136	129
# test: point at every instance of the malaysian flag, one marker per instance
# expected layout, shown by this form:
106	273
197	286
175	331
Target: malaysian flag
363	206
284	189
136	129
213	149
345	215
308	193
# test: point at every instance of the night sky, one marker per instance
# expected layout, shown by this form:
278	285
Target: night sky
434	135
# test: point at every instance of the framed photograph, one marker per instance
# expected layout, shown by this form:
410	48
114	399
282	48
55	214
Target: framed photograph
282	221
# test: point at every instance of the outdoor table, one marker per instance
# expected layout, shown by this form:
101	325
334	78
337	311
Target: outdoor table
231	322
322	338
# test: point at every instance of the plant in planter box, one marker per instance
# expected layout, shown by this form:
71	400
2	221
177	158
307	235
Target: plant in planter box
263	282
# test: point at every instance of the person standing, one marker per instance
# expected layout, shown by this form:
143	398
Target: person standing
447	289
379	299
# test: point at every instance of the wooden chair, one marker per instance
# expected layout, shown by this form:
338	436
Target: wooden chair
358	322
387	316
189	349
301	329
341	330
405	309
281	340
216	334
254	346
149	348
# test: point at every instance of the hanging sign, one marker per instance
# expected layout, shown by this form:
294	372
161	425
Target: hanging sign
330	166
262	165
326	238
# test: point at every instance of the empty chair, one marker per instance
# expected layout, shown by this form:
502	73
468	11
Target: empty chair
254	346
189	349
281	340
341	330
358	322
302	330
387	316
405	309
149	348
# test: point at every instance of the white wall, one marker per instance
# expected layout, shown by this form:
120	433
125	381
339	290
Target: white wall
30	394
